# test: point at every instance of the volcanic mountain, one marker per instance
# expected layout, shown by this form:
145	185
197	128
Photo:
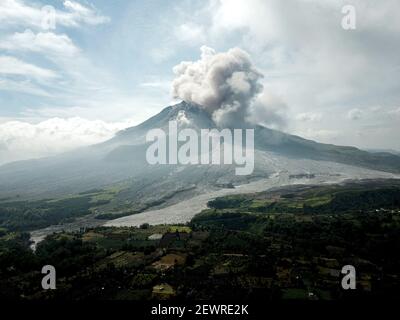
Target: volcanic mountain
120	163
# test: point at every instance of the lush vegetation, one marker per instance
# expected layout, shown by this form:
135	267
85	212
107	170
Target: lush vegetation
29	215
239	248
316	199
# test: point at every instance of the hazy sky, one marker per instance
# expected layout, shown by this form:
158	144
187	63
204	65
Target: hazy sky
108	64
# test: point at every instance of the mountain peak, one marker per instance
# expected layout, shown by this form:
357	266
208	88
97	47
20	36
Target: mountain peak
193	116
191	110
189	106
186	113
123	157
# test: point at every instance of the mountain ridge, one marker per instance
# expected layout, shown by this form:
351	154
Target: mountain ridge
285	143
121	159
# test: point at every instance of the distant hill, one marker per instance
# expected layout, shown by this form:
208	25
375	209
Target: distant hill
395	152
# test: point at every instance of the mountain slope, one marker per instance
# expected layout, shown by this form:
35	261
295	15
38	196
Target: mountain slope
268	140
122	160
294	146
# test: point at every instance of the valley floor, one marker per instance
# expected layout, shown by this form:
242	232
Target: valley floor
185	210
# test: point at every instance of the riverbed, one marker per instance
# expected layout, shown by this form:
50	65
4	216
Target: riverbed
184	211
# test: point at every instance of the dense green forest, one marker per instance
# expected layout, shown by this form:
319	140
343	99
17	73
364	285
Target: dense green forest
316	199
30	215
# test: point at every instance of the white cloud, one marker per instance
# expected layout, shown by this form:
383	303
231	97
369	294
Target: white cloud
84	14
302	42
234	14
190	33
13	66
22	140
47	43
395	112
113	107
315	65
76	76
17	12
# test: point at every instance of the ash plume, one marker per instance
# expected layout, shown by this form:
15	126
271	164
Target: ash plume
224	84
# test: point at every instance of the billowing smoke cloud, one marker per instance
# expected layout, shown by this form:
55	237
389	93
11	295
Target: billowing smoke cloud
268	110
225	84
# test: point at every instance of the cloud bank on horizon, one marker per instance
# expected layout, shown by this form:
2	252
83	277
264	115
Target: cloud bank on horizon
21	140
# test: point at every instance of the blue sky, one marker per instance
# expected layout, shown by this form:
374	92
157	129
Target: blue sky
108	64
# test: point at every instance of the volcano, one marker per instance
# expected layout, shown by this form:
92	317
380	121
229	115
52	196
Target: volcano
120	163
